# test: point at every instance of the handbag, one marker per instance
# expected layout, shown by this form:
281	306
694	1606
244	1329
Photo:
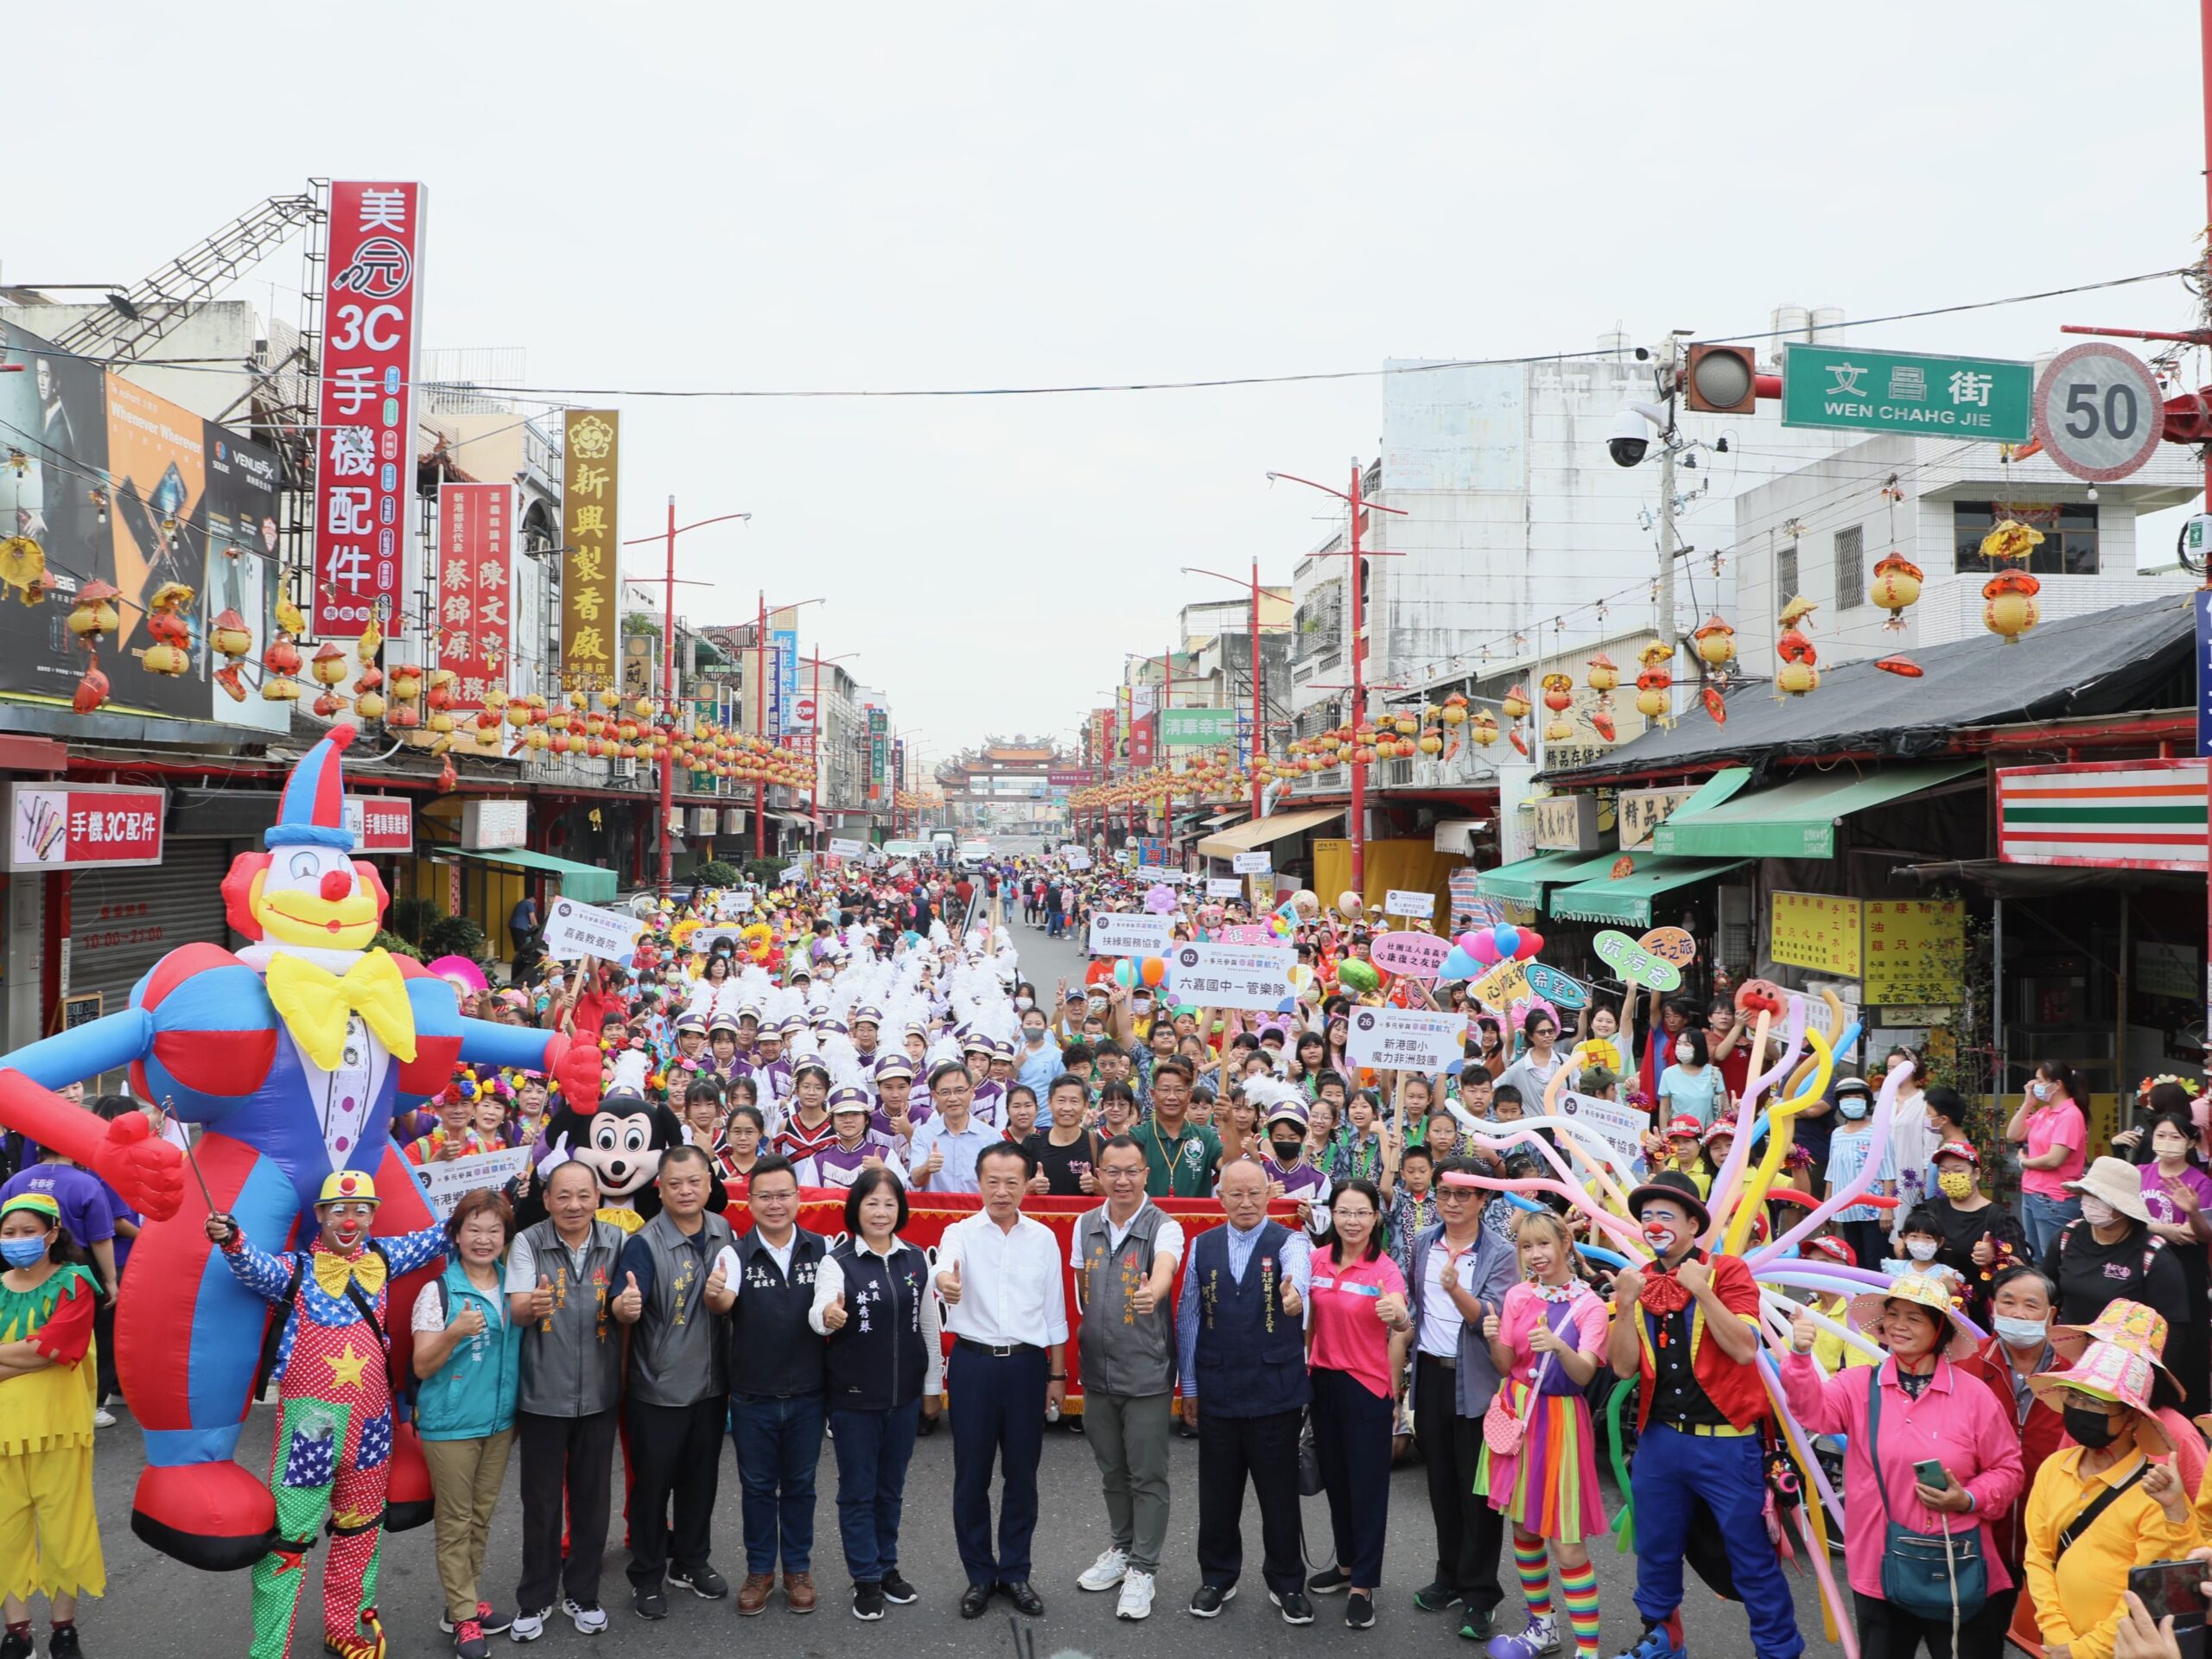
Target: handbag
1504	1428
1929	1575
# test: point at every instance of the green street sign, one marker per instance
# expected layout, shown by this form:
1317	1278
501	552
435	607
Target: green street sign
1980	397
1197	728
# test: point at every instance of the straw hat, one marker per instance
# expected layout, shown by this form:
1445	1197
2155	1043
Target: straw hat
1922	1290
2118	1182
2109	1372
2140	1329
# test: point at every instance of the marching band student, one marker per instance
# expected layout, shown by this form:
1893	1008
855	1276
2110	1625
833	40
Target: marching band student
857	1146
897	1115
808	1127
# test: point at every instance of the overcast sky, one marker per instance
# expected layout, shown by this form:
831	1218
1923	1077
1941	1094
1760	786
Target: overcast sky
714	196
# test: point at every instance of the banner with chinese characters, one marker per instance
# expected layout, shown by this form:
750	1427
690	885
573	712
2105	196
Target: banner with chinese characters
1915	950
1816	930
590	471
879	752
365	426
475	626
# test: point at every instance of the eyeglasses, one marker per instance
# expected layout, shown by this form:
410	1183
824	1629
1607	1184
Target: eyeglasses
1122	1174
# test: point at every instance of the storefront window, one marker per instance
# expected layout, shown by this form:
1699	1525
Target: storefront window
2068	547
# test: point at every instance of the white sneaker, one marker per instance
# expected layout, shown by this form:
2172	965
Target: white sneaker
1106	1572
528	1625
589	1621
1136	1596
102	1418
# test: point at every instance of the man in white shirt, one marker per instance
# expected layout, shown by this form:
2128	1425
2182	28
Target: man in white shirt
1124	1255
999	1273
946	1147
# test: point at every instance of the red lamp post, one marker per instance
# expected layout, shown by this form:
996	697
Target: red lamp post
761	713
1259	722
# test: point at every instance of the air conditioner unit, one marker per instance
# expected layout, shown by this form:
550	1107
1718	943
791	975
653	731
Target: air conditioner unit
625	772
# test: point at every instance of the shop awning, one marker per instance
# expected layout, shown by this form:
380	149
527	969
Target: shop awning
1628	900
1245	837
1523	882
1796	819
588	884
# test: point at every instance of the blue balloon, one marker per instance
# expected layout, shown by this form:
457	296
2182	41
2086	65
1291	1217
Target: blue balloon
1507	938
1459	965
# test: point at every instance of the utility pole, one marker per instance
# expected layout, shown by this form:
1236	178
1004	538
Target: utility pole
1252	750
1669	625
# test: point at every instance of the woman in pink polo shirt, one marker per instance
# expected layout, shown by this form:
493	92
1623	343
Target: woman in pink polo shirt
2055	1140
1357	1328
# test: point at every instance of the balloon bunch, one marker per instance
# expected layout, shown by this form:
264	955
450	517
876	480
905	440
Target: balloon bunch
1593	1176
1485	947
1140	970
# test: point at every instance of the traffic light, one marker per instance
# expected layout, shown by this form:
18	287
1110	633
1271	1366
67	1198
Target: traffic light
1720	380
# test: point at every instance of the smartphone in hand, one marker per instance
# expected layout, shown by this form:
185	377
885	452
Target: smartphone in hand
2171	1587
1931	1473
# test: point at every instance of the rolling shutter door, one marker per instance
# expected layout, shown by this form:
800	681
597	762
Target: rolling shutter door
122	922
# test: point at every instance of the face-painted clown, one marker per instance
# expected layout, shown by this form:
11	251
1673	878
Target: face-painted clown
293	1055
332	1456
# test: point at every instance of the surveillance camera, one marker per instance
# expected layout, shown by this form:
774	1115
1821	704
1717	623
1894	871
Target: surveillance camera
1630	435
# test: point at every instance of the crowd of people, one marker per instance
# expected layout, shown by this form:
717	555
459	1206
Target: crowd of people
1316	1269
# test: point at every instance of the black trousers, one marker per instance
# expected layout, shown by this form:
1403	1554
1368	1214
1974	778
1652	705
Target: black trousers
998	1417
673	1449
1469	1534
104	1334
572	1456
1886	1631
1351	1439
1265	1450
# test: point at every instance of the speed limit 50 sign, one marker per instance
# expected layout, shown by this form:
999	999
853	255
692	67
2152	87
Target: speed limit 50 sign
2099	412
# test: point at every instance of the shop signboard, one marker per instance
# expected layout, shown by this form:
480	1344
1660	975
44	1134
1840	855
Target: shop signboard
591	470
1140	742
1641	811
381	823
1567	824
488	825
2143	815
79	826
2163	970
474	627
785	644
1915	950
1816	930
1197	728
365	424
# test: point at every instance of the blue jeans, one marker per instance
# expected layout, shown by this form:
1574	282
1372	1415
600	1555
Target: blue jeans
778	1443
872	1448
1673	1469
2045	1218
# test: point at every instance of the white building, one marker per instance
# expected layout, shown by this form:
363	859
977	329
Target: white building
1819	531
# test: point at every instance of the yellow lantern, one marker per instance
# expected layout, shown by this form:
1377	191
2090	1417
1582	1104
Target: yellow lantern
93	614
1454	712
2009	607
1558	729
22	567
1896	585
1716	643
1603	675
1515	704
1431	743
1651	701
329	666
370	705
1797	678
1484	727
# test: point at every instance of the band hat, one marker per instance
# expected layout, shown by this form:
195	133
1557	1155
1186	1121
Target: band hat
895	1065
850	1098
1922	1290
2117	1183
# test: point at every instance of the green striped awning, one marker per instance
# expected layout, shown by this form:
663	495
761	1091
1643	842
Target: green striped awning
1796	819
2114	814
1523	883
1628	901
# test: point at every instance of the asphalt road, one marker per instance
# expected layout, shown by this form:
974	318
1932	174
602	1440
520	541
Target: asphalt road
155	1608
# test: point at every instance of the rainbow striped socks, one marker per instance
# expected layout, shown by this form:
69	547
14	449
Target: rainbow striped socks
1534	1562
1579	1589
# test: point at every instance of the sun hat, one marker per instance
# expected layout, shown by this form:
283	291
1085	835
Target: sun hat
2113	1373
1958	1149
2117	1183
2135	1326
1922	1290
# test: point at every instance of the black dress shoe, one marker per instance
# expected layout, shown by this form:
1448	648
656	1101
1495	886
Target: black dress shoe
1025	1600
976	1601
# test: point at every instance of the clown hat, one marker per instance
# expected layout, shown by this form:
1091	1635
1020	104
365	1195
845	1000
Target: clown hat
347	1186
313	810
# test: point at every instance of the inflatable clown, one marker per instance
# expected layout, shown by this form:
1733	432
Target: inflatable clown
293	1055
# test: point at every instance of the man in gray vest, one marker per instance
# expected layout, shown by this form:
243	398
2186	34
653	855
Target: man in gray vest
1124	1255
672	1296
560	1275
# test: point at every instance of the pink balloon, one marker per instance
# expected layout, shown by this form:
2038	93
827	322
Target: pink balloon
1531	942
1466	942
1483	948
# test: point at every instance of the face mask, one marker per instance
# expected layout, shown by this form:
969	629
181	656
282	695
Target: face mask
1035	1034
1852	1106
2019	1333
1024	1003
1957	1183
2040	1090
1683	1053
1920	1250
1660	1238
1287	1151
1140	1005
2098	1213
22	1252
2089	1427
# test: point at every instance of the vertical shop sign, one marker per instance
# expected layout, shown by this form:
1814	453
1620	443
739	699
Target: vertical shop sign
365	428
475	626
590	471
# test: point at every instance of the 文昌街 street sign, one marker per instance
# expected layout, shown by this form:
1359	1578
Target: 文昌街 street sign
1988	399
